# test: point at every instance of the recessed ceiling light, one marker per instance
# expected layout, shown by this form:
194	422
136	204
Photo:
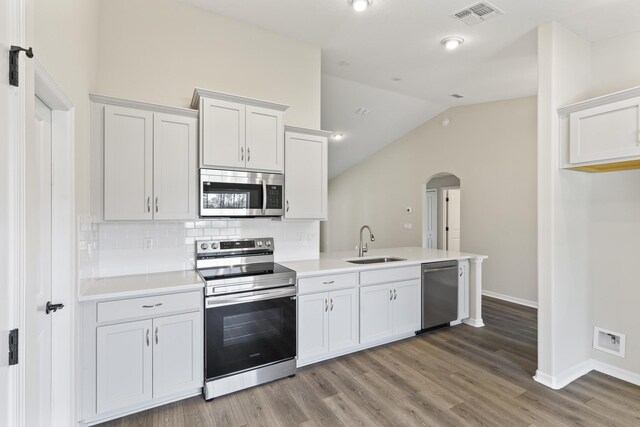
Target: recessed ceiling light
360	5
452	42
337	136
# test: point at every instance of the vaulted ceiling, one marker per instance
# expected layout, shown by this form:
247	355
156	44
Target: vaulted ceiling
389	58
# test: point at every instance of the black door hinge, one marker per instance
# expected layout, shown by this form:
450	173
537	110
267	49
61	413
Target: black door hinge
13	347
446	228
447	199
14	60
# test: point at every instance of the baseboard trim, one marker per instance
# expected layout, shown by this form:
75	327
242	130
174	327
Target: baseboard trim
476	323
565	378
572	374
508	298
614	371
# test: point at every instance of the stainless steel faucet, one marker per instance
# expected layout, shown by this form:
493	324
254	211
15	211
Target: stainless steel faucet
363	248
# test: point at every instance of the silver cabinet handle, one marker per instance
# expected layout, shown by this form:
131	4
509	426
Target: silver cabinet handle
326	305
287	206
156	204
147	338
331	304
148	204
242	154
152	305
395	294
461	271
248	154
156	335
328	283
390	294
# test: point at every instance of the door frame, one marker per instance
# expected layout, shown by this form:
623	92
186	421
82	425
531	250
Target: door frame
443	200
426	215
63	219
12	161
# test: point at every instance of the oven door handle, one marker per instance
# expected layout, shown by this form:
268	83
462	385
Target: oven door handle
264	197
212	302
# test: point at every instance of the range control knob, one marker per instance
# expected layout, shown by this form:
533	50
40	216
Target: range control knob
268	243
214	245
204	246
259	243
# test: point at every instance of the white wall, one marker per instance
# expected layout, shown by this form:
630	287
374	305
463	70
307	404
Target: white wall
160	50
588	224
491	148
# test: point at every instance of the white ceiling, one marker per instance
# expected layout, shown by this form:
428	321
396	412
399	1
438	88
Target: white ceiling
401	39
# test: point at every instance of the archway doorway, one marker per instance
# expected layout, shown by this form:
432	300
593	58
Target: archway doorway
441	221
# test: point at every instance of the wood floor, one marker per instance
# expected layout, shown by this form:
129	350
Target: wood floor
454	377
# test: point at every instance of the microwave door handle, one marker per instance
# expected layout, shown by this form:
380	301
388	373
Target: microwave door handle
264	197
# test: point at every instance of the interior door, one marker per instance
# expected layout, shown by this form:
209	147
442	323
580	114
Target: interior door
453	220
431	219
8	297
40	370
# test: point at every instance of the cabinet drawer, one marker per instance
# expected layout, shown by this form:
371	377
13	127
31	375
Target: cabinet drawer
110	311
327	283
388	275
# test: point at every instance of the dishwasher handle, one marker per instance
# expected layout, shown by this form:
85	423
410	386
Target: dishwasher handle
430	270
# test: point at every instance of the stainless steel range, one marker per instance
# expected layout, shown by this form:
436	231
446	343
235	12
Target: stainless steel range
250	315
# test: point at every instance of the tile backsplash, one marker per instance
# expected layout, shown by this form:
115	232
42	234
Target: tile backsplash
118	248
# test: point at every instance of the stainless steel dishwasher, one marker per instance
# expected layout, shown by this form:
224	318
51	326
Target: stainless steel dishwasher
439	293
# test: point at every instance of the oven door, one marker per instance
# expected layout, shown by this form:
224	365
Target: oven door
238	194
249	330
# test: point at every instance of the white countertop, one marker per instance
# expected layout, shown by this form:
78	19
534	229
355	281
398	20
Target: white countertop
140	285
335	262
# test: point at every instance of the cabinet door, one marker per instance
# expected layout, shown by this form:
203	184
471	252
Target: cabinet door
343	319
406	307
313	326
605	132
265	139
463	289
375	313
174	166
177	354
128	163
305	176
223	134
123	365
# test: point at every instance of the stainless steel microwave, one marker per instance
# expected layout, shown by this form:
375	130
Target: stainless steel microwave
240	194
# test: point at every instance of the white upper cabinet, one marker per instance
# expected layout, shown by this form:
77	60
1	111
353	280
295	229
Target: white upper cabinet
305	175
128	167
223	126
175	166
602	134
240	133
143	161
605	132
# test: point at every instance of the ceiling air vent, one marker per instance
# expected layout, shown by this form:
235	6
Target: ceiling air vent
477	13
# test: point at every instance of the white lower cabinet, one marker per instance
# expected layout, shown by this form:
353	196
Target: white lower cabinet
327	324
389	309
124	371
139	353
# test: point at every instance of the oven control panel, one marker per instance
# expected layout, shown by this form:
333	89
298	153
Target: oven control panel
212	247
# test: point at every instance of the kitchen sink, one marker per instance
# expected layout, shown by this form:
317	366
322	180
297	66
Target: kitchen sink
374	260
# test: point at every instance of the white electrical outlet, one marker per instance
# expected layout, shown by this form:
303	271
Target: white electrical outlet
148	244
407	226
